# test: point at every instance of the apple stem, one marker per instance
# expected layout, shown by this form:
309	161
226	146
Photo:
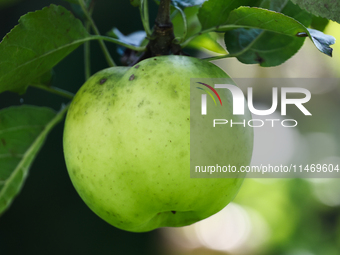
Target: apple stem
163	15
162	40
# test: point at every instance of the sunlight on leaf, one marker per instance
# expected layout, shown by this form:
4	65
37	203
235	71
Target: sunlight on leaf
209	42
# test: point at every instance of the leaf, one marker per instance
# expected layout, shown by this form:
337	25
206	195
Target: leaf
253	46
328	9
215	12
39	42
45	79
248	17
319	23
23	130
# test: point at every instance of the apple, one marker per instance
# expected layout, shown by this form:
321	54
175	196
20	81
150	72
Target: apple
127	146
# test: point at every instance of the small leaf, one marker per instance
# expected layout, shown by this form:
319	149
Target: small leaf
214	13
23	130
322	41
39	42
328	9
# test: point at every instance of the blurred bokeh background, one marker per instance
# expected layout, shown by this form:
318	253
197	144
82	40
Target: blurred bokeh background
268	216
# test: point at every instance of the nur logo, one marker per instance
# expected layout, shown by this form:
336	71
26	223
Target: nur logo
204	97
239	99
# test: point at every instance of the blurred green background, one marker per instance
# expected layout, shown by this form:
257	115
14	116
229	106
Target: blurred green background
268	216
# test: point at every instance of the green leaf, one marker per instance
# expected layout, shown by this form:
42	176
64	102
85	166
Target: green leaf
45	79
250	17
214	13
252	46
319	23
328	9
247	17
41	40
23	130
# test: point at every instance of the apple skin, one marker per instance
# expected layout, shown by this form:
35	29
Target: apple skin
127	146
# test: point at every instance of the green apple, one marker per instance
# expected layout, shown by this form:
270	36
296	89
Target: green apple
127	146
